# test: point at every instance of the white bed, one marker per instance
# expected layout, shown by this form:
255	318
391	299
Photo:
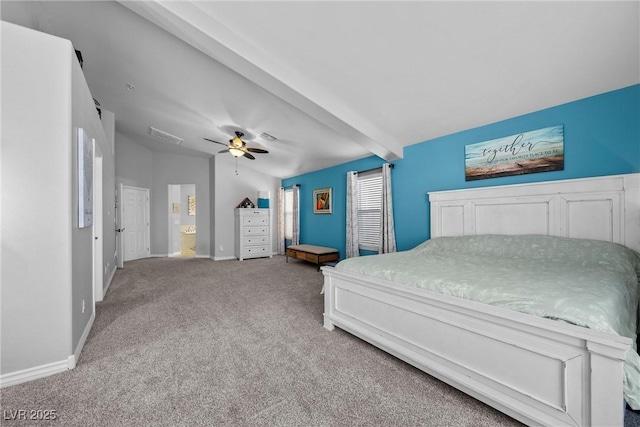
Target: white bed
538	371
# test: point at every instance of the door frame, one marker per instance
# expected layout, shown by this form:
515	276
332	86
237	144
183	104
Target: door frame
173	227
122	227
98	249
118	230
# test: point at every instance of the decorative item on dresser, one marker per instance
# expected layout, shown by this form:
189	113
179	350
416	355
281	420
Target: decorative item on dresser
253	233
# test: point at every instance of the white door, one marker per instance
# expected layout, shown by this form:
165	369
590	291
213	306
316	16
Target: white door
98	272
135	223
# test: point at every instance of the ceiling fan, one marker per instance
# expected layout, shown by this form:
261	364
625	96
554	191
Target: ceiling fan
238	148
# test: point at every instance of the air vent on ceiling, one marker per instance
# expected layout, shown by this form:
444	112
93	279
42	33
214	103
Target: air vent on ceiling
164	136
268	137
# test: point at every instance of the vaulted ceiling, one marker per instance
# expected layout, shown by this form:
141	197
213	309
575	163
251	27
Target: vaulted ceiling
335	81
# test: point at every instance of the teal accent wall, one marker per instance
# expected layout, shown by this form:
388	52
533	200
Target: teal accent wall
601	137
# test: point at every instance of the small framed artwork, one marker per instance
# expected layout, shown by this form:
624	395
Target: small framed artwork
322	202
191	204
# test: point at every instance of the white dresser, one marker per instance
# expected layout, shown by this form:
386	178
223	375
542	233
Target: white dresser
253	233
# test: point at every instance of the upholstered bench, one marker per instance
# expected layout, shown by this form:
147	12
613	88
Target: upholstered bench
316	254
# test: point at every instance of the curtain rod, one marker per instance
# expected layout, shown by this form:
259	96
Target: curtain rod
373	169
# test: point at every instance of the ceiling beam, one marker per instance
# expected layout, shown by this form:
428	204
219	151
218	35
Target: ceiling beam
187	21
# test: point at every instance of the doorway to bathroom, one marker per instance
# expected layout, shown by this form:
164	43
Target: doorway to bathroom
182	220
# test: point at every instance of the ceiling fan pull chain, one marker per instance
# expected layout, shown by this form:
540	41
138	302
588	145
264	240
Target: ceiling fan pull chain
236	166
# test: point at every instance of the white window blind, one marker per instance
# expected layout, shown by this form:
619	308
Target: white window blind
288	214
369	209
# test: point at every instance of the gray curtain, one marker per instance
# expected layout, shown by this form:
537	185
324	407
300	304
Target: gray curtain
281	247
387	232
353	243
296	215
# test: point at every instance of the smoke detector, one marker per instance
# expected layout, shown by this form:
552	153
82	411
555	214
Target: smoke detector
164	136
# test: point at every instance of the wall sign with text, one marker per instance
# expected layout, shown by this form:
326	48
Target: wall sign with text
540	150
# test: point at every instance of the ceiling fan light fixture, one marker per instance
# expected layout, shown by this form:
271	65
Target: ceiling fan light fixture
236	142
236	152
238	148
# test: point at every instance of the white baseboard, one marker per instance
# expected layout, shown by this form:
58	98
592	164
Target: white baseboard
83	339
109	280
223	258
71	362
178	254
30	374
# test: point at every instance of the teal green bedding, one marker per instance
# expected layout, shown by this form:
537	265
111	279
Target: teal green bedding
588	283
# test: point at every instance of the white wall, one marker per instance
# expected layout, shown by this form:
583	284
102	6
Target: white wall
218	191
178	169
85	116
230	189
134	163
140	167
45	260
36	199
108	199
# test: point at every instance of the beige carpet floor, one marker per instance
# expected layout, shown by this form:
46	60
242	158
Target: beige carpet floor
193	342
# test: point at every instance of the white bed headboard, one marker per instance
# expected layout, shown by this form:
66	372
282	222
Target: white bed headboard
601	208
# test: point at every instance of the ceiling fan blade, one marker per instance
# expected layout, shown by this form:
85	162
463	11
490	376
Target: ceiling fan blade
249	156
257	150
224	151
211	140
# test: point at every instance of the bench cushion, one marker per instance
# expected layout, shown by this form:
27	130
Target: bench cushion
312	249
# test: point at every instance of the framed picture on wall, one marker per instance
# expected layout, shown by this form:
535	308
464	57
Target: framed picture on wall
539	150
322	202
191	204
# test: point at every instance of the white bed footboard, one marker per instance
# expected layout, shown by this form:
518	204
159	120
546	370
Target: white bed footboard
538	371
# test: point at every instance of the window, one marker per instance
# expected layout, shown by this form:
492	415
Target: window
369	209
288	214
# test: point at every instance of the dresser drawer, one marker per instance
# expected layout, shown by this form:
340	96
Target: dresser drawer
255	240
255	231
255	251
254	212
255	220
